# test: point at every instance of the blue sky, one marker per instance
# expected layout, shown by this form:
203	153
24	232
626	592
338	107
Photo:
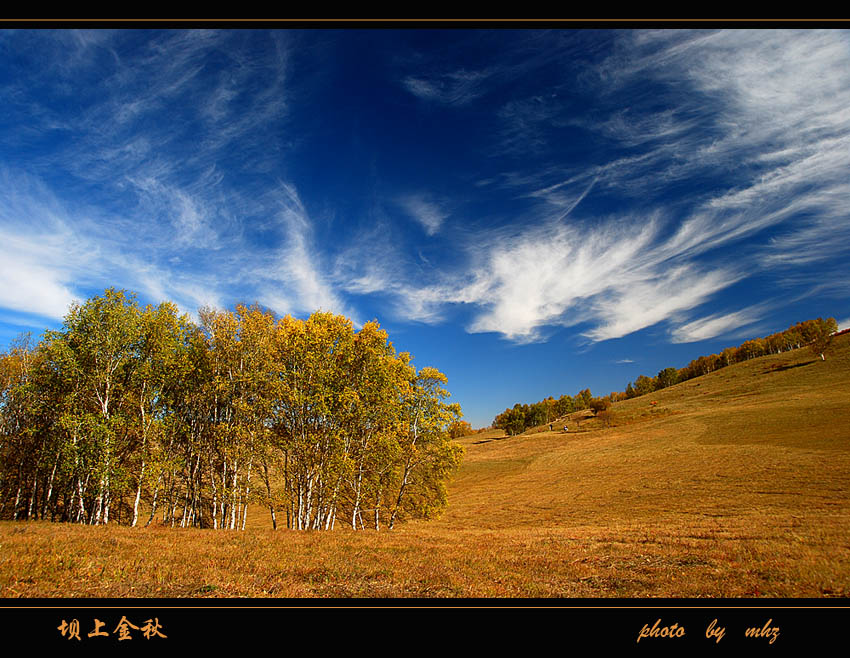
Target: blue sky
532	212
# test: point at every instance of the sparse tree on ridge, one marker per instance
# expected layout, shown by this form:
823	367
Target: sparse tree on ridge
820	335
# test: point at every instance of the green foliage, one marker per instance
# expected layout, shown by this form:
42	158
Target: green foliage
523	416
125	403
644	385
512	420
666	377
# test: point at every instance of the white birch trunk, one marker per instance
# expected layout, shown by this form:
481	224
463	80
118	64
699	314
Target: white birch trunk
138	496
17	500
233	496
50	487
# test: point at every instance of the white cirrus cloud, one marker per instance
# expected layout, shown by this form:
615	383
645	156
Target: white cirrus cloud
42	255
29	287
428	212
617	276
296	267
458	87
713	325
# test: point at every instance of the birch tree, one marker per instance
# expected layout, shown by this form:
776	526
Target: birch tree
427	454
126	406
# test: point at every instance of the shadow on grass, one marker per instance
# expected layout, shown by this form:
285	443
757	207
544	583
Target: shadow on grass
788	367
495	438
564	434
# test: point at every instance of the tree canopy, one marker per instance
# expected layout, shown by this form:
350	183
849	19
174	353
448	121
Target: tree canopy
126	404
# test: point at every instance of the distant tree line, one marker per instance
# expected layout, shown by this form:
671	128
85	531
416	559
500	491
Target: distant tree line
814	333
311	418
521	417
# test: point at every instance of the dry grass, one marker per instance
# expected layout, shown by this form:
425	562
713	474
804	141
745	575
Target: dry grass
734	485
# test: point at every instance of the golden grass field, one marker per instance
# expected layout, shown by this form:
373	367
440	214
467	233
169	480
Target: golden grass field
735	484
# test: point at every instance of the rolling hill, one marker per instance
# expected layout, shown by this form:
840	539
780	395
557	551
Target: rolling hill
733	484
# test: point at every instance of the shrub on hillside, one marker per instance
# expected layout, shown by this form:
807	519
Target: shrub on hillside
599	404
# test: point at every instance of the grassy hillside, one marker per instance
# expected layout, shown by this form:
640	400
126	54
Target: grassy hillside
733	484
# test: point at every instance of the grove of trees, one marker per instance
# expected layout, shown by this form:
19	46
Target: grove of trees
127	405
523	416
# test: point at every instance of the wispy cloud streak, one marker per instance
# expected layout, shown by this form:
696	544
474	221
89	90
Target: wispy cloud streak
156	119
761	127
425	211
458	87
713	325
